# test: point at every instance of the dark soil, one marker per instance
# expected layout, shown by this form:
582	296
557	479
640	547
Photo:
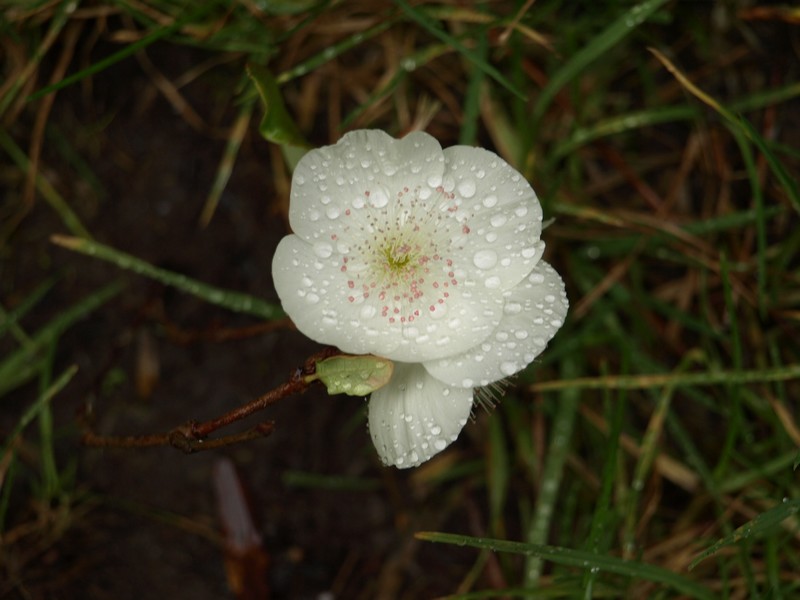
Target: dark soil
144	522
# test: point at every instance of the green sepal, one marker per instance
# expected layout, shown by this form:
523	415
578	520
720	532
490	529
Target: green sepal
353	375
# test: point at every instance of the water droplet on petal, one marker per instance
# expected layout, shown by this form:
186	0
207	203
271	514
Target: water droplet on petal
536	278
466	188
498	220
312	298
508	368
490	201
410	332
378	198
467	383
440	444
512	308
492	282
368	311
529	252
323	249
485	259
333	212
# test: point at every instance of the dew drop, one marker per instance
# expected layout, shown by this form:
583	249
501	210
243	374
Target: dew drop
323	249
521	211
492	282
378	198
410	332
368	311
313	215
498	220
467	383
485	259
333	212
440	444
490	201
512	308
536	278
436	430
434	181
312	298
466	188
508	368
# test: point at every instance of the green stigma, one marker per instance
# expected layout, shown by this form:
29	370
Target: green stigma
397	256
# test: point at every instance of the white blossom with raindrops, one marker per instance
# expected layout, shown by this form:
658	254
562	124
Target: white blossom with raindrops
428	257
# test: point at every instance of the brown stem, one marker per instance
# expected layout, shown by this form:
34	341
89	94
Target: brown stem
295	385
191	436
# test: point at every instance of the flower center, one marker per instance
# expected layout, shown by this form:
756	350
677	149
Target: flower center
398	266
397	256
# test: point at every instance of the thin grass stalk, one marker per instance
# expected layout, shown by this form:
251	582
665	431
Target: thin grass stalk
553	472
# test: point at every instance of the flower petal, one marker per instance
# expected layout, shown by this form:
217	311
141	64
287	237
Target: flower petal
319	294
415	416
534	311
365	168
502	217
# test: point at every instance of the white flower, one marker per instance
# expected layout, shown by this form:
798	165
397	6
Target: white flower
428	257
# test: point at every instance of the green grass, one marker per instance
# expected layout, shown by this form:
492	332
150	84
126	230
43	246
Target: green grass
653	449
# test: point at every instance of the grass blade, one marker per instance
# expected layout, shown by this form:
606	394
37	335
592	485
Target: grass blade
33	410
762	524
235	301
737	125
577	558
551	477
647	381
24	363
593	51
53	198
433	28
204	7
